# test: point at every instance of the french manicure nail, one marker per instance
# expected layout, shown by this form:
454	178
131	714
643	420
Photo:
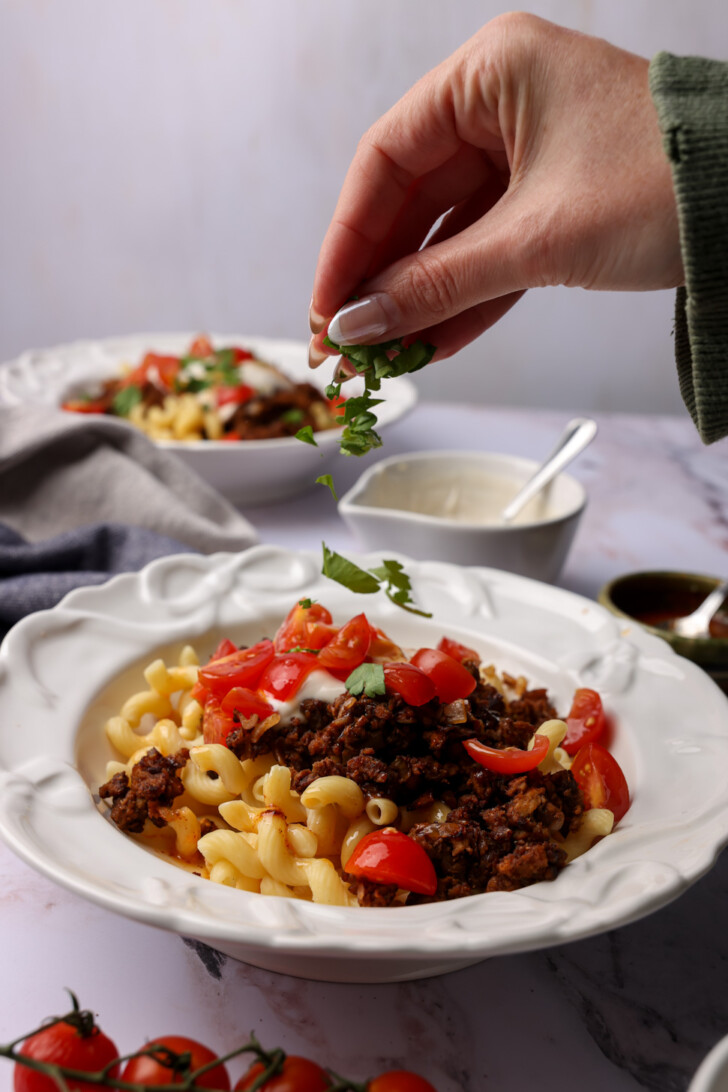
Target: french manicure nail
368	318
315	356
315	320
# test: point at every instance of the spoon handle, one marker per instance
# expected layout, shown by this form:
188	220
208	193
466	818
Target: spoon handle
696	624
576	436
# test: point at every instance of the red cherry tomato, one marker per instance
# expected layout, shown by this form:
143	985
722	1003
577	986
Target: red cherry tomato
508	760
601	780
239	355
451	679
201	347
165	369
216	724
457	651
388	856
149	1071
296	1075
285	673
245	702
231	436
585	723
304	627
349	647
225	648
414	686
243	667
400	1080
80	406
225	396
64	1044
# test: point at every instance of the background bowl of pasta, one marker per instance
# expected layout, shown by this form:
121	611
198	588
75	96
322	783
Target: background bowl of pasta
670	738
246	471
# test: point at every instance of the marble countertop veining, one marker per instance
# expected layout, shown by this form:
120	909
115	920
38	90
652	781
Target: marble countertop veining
635	1008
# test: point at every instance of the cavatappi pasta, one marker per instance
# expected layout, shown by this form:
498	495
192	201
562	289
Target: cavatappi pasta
239	820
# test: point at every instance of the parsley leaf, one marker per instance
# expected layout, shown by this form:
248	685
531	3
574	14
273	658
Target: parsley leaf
305	603
390	577
292	416
367	679
328	481
305	434
398	586
125	400
345	572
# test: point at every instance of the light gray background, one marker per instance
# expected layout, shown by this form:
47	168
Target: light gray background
173	164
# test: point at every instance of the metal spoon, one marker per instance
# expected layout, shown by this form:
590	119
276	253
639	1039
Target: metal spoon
697	624
576	436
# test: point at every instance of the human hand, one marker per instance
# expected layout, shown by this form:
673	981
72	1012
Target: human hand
542	147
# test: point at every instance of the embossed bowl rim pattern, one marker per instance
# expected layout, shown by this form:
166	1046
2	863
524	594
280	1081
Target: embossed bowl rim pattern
60	674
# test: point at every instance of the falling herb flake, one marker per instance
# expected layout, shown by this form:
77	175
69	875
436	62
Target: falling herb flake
390	578
305	434
367	679
328	481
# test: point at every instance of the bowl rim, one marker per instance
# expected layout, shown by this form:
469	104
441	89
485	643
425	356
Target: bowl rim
713	1066
604	597
349	505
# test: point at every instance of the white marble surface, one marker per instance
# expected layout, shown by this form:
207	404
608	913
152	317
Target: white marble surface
637	1008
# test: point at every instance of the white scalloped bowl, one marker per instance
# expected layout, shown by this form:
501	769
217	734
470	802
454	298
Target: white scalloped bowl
64	671
251	472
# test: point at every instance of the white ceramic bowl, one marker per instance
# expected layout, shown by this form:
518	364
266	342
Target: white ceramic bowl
403	503
247	473
712	1076
63	672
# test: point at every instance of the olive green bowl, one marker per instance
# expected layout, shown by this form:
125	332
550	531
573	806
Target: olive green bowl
645	596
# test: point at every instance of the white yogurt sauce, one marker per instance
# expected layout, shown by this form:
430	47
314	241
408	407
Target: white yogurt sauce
319	684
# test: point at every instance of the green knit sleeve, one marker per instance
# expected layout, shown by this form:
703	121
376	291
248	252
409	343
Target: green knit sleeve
691	97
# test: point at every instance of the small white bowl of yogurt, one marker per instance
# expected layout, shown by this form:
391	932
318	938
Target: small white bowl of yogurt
447	505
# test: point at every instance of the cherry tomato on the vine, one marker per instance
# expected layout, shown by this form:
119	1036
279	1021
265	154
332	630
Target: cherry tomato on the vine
601	780
150	1071
65	1044
389	856
296	1075
400	1080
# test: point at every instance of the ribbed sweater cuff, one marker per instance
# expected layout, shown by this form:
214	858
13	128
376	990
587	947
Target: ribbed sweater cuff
691	97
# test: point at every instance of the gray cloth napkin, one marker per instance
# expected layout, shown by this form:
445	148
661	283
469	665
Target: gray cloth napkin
63	471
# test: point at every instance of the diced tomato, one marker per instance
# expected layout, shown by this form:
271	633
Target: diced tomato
337	403
508	760
407	680
165	368
199	692
201	347
451	679
349	647
244	667
586	721
285	673
78	405
601	780
388	856
231	436
225	648
239	355
245	702
216	724
457	651
304	627
226	396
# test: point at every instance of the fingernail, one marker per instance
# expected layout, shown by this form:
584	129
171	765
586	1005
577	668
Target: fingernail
368	318
315	356
344	370
315	320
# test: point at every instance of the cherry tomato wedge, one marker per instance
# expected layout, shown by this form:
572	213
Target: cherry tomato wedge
239	355
245	702
201	347
407	680
81	406
216	723
508	760
388	856
400	1080
64	1044
225	396
150	1071
349	647
585	723
296	1075
243	667
457	651
451	679
304	627
285	673
601	780
225	648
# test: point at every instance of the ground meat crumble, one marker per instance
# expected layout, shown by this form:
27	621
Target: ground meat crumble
154	784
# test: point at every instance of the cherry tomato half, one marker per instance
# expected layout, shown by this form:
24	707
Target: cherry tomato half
243	667
508	760
163	368
296	1075
201	347
457	651
147	1070
64	1044
304	627
245	702
225	648
585	723
601	780
239	355
285	673
389	856
407	680
77	405
216	723
451	679
400	1080
225	396
349	647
